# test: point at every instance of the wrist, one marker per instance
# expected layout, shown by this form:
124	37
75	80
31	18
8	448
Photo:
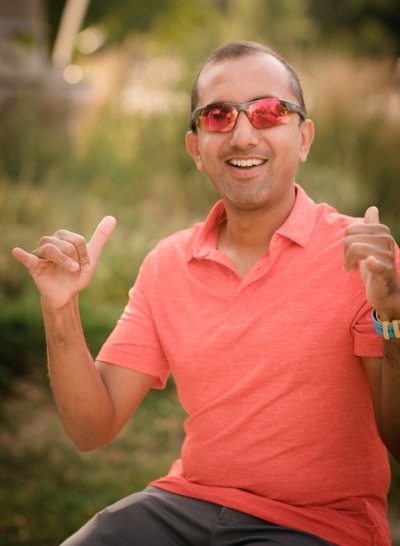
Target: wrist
62	324
388	314
49	308
390	309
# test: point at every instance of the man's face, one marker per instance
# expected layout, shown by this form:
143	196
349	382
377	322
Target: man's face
250	168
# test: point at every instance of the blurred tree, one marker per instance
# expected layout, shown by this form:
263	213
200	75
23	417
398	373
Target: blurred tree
365	26
54	9
120	17
283	24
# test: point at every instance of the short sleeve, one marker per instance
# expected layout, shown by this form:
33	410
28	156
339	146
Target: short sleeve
367	343
134	342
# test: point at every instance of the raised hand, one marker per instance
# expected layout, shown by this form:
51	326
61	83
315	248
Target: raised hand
370	246
64	263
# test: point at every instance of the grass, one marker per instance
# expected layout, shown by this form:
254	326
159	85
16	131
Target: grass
49	489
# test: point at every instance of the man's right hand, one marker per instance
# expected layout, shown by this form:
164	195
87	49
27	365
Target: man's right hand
64	263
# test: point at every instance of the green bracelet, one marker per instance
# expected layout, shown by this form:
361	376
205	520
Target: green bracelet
386	328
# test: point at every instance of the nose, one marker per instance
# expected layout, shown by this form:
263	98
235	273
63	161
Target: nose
243	135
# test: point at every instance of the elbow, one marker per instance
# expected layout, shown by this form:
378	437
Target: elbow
90	435
87	445
92	432
391	438
83	447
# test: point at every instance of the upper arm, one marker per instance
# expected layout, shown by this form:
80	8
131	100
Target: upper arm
373	371
126	388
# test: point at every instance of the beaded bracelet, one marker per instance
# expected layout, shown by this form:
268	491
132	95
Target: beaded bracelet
386	328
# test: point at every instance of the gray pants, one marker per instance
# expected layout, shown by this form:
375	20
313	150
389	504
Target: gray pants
158	518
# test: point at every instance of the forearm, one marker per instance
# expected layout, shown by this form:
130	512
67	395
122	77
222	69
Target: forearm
390	398
370	246
85	407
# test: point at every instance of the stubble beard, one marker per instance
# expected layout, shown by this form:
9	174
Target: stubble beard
245	195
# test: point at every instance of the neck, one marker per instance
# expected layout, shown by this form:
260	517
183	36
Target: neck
246	234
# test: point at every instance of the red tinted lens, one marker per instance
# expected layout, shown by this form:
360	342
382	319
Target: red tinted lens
219	117
267	113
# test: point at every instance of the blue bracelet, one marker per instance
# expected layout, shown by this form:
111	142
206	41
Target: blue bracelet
387	329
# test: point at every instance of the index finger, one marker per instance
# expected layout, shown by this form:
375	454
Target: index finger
101	235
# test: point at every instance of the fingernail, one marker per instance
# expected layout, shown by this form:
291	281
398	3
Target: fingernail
73	266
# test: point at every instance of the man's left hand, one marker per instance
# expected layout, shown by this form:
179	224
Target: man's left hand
370	246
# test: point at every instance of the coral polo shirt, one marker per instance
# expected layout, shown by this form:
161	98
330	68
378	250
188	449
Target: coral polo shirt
280	420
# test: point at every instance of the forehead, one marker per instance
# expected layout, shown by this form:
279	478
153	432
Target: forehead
243	78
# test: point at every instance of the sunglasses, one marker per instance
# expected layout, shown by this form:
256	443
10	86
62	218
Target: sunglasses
262	113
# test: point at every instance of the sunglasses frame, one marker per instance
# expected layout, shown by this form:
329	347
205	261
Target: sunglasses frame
242	107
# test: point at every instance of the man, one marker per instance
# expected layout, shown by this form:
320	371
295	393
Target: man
290	392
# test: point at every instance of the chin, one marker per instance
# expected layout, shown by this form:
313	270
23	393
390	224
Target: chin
249	202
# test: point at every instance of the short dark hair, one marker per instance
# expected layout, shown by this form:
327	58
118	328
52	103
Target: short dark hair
241	48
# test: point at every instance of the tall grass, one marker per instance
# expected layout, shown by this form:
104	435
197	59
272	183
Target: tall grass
356	108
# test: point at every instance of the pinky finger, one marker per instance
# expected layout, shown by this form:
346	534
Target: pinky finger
31	261
25	258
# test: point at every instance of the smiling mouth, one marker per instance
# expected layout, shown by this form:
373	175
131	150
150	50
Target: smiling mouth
246	163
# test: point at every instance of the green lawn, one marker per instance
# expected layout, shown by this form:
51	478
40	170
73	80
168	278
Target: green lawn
48	489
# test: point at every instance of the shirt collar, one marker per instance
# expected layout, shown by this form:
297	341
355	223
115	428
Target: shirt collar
300	223
297	227
206	237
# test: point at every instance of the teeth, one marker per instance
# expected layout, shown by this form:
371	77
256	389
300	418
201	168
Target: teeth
246	162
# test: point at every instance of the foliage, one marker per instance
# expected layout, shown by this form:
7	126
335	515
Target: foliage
21	342
42	469
353	161
368	27
32	134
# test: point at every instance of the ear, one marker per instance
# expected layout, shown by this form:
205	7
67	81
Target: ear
192	146
307	137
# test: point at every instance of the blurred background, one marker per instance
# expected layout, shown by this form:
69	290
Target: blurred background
94	103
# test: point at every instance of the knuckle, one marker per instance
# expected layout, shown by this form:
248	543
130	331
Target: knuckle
61	233
70	236
45	240
391	240
349	230
45	249
80	243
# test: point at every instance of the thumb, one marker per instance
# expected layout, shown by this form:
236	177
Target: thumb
371	216
101	235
